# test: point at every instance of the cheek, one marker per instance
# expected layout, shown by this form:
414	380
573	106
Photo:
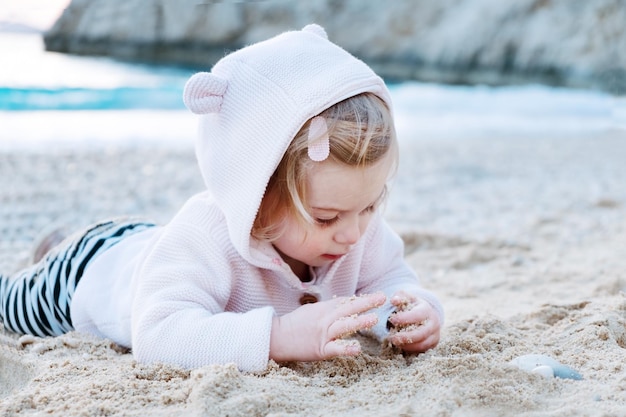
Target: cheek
298	234
320	238
364	222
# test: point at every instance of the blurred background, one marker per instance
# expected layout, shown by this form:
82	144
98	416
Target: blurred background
87	71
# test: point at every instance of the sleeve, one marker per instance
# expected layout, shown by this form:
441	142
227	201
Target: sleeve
385	269
178	307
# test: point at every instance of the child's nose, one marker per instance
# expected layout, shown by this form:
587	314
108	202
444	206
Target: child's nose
350	233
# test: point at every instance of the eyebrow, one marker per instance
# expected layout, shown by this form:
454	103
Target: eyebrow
334	209
327	209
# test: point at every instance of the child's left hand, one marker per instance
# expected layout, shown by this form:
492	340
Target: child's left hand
416	326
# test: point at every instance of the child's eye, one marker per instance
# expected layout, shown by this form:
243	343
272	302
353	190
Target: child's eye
326	222
369	209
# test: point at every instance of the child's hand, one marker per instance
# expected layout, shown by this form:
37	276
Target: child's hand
315	331
416	325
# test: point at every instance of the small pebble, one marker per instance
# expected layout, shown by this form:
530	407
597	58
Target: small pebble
545	366
71	342
27	339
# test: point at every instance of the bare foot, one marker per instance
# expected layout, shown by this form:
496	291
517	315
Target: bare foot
46	242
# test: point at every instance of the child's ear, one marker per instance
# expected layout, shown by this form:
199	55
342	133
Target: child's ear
203	93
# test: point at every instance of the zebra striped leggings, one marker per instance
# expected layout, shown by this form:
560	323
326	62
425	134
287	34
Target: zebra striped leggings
37	300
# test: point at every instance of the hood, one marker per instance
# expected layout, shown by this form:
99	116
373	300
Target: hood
252	104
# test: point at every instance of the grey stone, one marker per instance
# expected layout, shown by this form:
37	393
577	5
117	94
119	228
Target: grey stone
556	42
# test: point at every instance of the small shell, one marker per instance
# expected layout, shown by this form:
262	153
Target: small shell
531	362
545	371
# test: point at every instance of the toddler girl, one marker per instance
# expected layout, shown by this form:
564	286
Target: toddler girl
281	258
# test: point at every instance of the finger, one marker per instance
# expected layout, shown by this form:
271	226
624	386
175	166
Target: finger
403	300
413	334
421	346
407	337
342	347
357	304
418	314
345	326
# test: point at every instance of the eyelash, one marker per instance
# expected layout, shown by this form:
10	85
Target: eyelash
326	222
330	222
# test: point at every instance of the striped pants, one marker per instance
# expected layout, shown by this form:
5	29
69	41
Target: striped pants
37	300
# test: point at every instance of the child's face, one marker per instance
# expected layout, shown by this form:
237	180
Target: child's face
342	200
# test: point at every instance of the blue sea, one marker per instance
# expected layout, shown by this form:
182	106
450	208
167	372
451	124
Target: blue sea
52	98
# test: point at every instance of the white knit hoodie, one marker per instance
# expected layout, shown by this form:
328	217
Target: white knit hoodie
200	290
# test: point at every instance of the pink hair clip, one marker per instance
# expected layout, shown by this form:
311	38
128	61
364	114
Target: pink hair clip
319	146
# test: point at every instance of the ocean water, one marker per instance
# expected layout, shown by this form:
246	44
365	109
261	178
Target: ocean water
63	100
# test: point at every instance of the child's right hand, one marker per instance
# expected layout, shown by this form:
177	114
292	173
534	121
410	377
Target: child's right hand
315	331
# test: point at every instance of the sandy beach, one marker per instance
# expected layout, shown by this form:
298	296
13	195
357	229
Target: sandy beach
523	239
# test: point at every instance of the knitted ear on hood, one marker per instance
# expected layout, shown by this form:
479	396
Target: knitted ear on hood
316	30
204	92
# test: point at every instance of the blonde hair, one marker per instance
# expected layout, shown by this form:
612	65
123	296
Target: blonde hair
361	132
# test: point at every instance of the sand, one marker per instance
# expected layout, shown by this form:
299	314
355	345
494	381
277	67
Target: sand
523	239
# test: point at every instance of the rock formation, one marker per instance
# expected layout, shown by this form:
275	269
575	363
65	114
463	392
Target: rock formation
557	42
